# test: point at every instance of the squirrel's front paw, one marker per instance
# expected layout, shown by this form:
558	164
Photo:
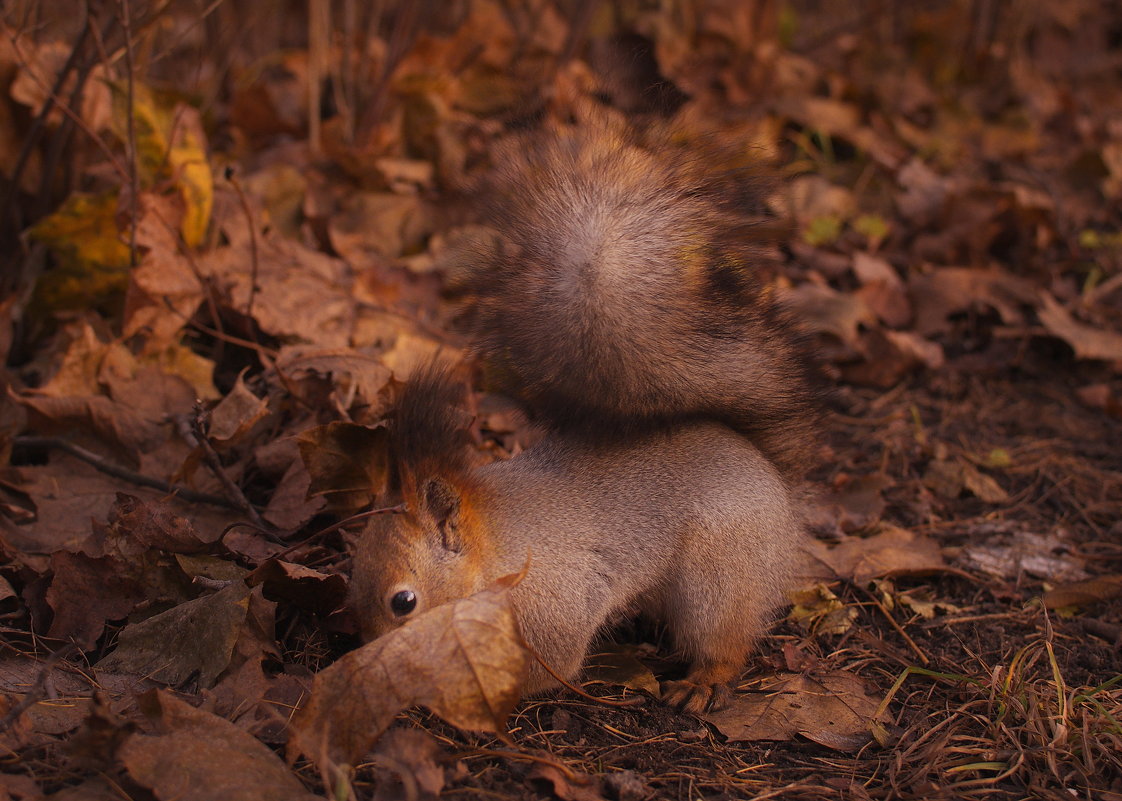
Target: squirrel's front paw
696	698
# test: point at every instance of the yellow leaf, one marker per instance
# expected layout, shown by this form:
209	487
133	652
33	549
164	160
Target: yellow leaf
92	260
170	145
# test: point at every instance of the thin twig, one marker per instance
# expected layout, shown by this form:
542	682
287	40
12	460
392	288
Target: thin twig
899	629
195	434
38	690
253	262
130	102
91	458
49	102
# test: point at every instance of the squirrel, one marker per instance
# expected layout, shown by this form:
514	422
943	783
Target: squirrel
626	314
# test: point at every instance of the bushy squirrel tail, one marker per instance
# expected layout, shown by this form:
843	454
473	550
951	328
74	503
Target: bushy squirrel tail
627	296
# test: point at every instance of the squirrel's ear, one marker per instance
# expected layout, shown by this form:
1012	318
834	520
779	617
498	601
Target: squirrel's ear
442	503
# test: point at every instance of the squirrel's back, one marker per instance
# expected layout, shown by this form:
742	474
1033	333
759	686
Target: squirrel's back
628	297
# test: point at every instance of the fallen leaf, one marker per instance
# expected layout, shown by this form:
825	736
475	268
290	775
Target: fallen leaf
1086	341
818	609
193	640
356	375
170	145
134	526
891	551
198	756
300	293
374	226
84	593
96	789
1011	553
116	425
570	786
165	289
234	416
834	709
464	660
822	309
290	506
939	293
15	787
347	462
1103	397
302	586
93	260
888	356
925	192
407	763
918	601
1084	593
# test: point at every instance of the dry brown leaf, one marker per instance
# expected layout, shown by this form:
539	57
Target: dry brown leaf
568	787
891	551
1086	341
949	477
407	762
347	462
855	504
888	302
356	375
374	226
1084	593
822	309
135	525
97	789
15	787
1102	397
198	756
68	494
819	609
1010	554
146	390
925	192
164	290
833	709
843	120
84	593
811	197
938	294
300	585
890	355
118	426
192	640
301	293
235	415
41	65
289	506
464	660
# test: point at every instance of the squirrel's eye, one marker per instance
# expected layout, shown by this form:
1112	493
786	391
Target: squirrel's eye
403	603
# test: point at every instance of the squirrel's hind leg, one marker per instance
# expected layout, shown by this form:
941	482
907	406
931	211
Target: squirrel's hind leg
717	611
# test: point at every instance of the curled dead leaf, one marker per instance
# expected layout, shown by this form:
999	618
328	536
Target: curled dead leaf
464	660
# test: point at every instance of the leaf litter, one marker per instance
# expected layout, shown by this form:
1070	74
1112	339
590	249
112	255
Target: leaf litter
210	345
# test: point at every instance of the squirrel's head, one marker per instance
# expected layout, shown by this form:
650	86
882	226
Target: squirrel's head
406	564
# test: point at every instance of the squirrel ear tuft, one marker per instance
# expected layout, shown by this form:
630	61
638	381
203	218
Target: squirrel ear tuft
441	501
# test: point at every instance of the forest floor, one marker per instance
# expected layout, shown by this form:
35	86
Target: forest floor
210	298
